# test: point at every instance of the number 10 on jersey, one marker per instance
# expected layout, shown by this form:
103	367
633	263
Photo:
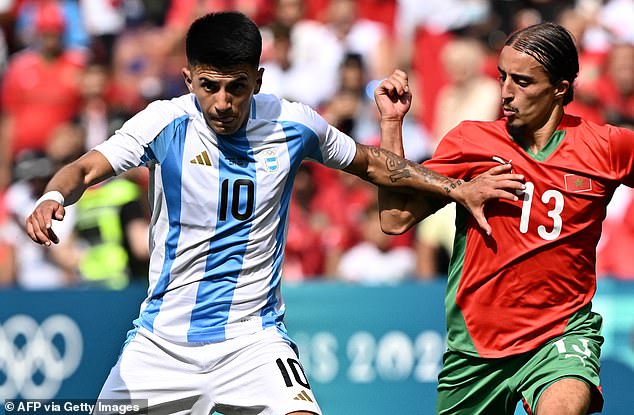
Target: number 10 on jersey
242	199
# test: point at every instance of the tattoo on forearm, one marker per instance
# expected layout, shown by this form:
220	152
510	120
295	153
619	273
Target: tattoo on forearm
397	166
448	188
401	168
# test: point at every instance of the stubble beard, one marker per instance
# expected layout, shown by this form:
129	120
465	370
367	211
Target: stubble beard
516	131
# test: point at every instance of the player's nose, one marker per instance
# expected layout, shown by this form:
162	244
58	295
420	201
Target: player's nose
223	101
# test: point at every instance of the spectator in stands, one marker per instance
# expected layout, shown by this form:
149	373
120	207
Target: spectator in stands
614	251
30	12
434	243
370	39
470	94
103	20
111	231
40	90
615	89
382	11
374	260
35	266
304	253
615	19
31	266
98	115
140	64
591	62
313	54
321	222
283	76
66	144
350	109
109	244
423	29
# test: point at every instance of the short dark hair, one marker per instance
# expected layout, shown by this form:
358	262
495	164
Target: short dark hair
223	40
554	48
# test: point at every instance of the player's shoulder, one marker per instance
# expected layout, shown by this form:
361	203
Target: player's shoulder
184	105
159	114
609	129
473	130
591	131
273	108
498	124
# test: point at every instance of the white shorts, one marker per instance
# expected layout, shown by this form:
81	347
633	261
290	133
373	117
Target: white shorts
253	374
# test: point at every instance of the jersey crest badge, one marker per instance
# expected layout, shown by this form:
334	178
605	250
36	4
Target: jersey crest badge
270	160
576	183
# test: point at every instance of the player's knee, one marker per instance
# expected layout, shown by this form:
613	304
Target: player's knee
565	397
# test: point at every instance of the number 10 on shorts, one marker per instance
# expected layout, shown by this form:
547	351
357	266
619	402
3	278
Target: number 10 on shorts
297	371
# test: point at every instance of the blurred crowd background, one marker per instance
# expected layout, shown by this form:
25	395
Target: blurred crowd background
72	71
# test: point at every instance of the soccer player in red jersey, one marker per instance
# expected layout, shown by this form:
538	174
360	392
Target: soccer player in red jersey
518	304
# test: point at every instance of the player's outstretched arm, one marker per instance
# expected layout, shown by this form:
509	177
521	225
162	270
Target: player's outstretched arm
409	192
65	188
422	191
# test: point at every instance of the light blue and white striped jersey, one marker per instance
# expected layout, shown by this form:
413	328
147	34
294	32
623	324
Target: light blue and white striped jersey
220	210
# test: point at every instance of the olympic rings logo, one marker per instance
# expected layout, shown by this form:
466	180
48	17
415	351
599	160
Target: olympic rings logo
36	358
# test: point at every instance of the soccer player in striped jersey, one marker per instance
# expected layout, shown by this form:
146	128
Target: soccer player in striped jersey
210	335
518	303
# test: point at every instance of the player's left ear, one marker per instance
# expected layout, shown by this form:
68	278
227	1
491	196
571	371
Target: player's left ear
187	76
258	81
561	89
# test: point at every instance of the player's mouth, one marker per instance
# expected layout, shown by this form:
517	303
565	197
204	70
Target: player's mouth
509	112
227	119
224	124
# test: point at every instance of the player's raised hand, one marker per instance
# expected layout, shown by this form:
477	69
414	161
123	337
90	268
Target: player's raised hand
495	183
39	224
393	97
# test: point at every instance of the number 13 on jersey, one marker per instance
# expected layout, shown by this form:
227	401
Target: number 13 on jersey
552	231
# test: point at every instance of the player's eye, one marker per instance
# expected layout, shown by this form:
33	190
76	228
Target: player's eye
209	86
237	88
522	82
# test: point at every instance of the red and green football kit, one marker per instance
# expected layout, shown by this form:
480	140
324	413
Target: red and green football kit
513	291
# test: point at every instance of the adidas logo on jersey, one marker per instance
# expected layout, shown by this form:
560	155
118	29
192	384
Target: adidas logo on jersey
303	396
202	158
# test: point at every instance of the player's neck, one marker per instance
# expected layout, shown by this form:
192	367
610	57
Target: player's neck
536	139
